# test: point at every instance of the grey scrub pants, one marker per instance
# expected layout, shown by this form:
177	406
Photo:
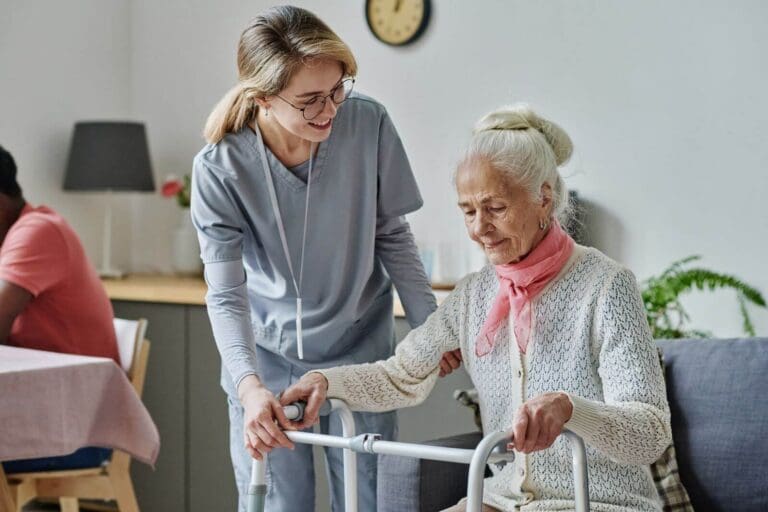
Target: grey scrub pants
291	473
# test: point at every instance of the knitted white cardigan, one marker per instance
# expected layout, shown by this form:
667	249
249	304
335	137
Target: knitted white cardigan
589	338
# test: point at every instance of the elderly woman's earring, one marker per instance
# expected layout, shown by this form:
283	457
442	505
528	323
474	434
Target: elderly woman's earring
266	112
542	225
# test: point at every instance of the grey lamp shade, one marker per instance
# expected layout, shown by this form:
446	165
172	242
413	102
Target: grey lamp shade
109	156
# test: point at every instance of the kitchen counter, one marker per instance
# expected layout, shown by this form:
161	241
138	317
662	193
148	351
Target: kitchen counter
170	289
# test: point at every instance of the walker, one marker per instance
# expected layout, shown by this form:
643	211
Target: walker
491	450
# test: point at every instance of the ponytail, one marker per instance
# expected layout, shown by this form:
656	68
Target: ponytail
231	114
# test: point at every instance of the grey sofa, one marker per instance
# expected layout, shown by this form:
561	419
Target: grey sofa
718	395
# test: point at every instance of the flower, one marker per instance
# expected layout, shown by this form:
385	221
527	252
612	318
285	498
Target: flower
178	188
171	188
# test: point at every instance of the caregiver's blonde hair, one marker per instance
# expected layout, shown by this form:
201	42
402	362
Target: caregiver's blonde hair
527	148
274	46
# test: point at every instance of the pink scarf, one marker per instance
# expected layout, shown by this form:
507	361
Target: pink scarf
520	283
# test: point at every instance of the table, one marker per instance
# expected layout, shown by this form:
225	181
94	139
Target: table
52	404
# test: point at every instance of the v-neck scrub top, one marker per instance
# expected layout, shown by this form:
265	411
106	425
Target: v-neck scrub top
358	243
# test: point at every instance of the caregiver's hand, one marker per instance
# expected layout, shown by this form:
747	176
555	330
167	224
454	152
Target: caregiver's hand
450	361
312	388
539	421
263	419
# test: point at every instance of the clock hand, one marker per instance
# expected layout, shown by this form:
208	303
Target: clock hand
397	5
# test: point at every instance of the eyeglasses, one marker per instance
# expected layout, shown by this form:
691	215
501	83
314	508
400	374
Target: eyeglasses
315	106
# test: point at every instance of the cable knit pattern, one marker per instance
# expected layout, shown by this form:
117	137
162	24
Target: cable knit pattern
589	338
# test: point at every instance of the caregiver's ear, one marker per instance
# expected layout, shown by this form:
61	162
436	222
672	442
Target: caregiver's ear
262	102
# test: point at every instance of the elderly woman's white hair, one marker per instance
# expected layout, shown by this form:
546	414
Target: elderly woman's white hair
527	148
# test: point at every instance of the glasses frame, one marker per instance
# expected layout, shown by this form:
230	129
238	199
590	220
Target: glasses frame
324	99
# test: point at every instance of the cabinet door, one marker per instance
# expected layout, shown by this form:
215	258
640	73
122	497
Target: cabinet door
164	397
211	479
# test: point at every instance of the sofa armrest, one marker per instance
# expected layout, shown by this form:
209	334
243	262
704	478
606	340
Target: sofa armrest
405	483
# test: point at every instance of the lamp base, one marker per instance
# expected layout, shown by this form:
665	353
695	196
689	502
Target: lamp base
111	273
106	270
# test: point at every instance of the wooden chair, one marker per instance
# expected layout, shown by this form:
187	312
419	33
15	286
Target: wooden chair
110	480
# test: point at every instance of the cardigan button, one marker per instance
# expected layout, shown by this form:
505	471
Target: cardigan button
519	374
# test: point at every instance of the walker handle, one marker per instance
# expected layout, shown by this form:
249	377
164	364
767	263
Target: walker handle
295	411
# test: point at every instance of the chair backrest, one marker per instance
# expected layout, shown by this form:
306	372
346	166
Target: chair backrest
134	354
132	348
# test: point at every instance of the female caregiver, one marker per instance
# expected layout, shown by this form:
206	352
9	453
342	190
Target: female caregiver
298	200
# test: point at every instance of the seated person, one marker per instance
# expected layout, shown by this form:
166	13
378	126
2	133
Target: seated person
553	335
50	295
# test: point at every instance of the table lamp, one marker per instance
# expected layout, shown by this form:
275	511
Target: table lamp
109	156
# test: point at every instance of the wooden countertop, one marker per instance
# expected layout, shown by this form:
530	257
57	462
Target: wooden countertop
157	288
170	289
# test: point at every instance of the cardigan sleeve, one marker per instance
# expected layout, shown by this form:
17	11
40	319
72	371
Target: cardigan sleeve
632	424
406	378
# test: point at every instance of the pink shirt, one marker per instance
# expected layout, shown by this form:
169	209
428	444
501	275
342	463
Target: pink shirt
70	311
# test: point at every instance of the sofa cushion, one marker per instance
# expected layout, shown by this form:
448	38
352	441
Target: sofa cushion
717	396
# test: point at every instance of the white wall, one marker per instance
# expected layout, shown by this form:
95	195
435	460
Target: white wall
61	62
664	100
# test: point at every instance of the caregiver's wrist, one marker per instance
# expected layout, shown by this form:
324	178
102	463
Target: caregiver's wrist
249	384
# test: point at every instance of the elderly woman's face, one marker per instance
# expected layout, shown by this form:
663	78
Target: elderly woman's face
500	216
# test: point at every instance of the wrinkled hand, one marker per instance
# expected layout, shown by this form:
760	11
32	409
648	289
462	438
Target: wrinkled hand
264	419
312	388
449	362
539	421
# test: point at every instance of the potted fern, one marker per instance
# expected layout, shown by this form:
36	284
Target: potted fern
661	295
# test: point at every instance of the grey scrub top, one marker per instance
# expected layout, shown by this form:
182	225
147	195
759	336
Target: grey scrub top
357	244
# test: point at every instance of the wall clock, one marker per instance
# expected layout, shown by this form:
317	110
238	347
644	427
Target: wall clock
397	22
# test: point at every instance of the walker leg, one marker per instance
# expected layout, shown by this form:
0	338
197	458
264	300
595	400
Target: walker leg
350	457
580	477
257	490
477	469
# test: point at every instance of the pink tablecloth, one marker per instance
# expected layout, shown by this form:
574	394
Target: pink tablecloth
53	404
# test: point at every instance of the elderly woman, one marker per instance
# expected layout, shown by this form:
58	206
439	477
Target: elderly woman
553	335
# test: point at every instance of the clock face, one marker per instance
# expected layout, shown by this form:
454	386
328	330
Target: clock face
397	22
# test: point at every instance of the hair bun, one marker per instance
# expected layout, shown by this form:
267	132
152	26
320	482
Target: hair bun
520	116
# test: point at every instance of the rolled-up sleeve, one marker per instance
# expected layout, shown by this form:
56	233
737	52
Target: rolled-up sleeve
218	224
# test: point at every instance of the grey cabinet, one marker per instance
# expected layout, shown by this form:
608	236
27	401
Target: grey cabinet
211	481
